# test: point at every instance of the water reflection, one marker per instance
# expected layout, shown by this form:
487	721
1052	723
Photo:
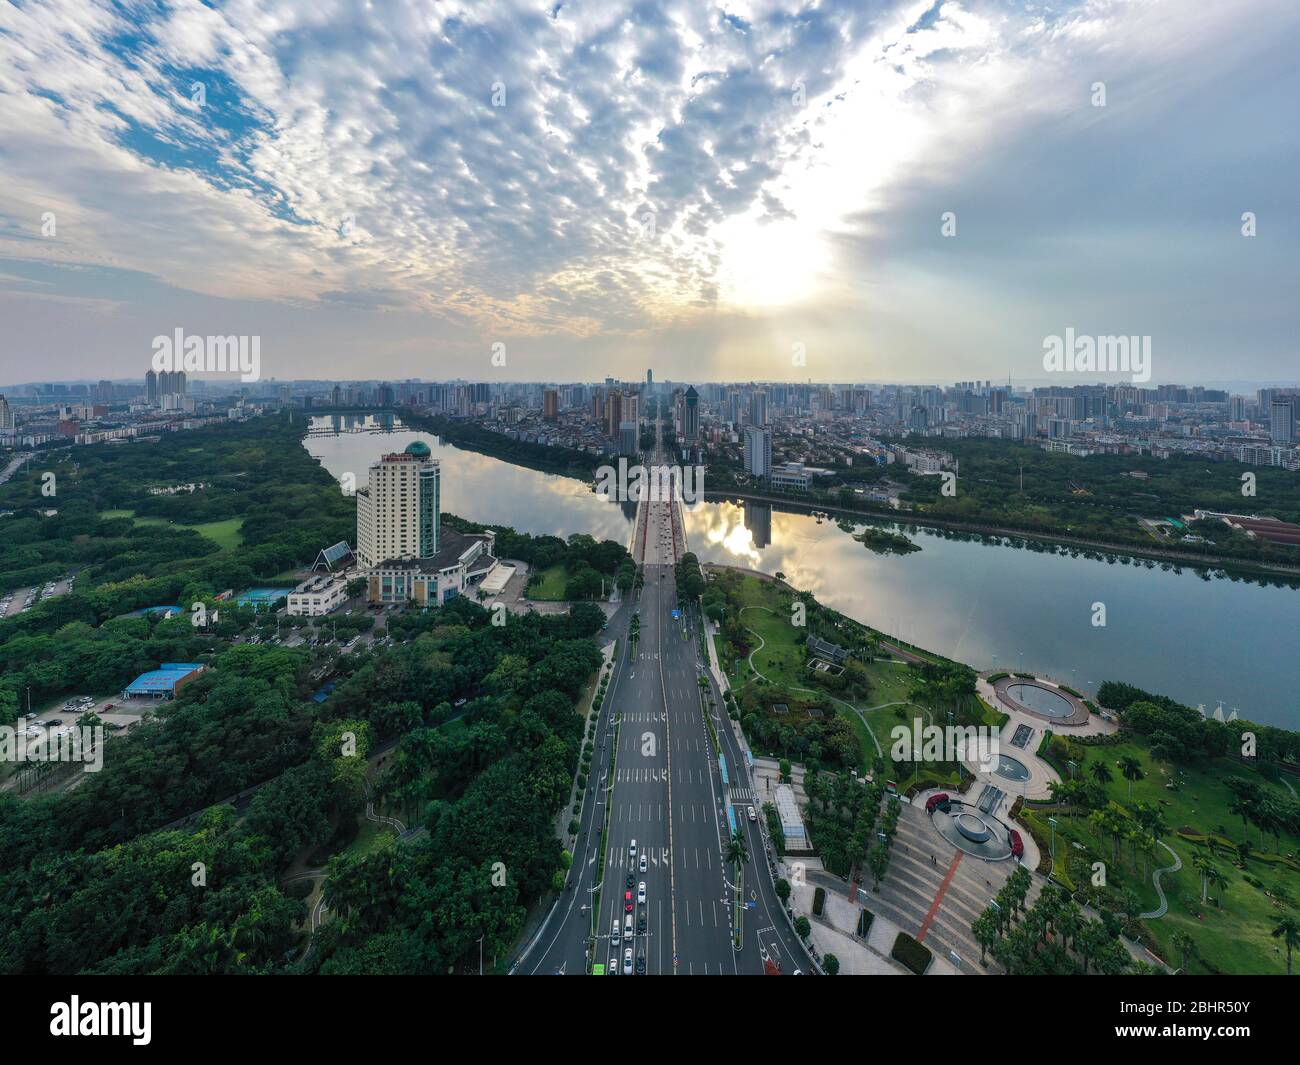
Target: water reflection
1009	604
474	486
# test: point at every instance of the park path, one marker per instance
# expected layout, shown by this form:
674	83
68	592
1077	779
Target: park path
1163	908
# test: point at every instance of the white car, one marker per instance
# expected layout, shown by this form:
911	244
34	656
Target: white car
631	850
752	816
640	893
627	962
642	863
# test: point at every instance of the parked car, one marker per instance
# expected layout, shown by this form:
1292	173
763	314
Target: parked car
1017	844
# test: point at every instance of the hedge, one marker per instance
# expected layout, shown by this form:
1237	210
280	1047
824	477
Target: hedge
914	956
819	901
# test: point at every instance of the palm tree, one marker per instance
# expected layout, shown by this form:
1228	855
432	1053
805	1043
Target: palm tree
737	849
1287	929
1202	864
1101	773
1132	770
1185	945
1215	877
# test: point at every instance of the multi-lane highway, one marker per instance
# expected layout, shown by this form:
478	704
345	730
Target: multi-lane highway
658	790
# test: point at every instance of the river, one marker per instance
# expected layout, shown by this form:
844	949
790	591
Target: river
985	602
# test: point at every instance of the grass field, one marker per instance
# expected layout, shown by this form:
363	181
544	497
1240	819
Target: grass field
780	656
549	584
225	534
1235	935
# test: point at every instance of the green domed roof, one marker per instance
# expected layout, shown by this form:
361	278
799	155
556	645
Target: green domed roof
418	447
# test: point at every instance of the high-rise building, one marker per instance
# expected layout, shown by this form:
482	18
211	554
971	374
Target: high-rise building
550	404
758	408
691	414
758	451
6	414
1237	408
1281	425
398	510
151	386
613	412
627	438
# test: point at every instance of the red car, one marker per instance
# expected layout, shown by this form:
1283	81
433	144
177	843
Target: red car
627	901
940	800
1017	844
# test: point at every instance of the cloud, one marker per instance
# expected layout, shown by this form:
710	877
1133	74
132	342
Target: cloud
743	173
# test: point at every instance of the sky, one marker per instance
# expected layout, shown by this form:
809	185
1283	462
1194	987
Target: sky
836	191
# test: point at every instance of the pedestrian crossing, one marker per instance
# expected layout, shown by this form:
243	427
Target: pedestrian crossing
740	796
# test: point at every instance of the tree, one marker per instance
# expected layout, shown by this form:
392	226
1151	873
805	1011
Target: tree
830	964
737	848
783	889
802	927
1132	770
1287	930
1186	947
1101	773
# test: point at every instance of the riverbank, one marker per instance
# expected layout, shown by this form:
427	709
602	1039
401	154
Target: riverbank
899	517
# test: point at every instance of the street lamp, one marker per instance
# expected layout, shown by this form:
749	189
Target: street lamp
1052	846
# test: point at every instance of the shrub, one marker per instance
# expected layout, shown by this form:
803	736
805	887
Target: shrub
819	901
914	956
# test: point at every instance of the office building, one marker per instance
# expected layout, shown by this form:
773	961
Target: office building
398	510
758	451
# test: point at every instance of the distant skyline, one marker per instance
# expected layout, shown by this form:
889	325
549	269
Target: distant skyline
387	191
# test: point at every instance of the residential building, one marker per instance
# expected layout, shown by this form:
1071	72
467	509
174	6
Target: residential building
398	512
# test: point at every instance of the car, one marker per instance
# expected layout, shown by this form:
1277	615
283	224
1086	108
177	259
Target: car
627	962
631	849
631	879
1017	844
640	893
640	965
613	932
627	902
613	965
752	816
641	865
640	924
627	926
937	802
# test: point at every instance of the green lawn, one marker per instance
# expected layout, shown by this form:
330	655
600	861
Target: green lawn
225	534
780	659
549	584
